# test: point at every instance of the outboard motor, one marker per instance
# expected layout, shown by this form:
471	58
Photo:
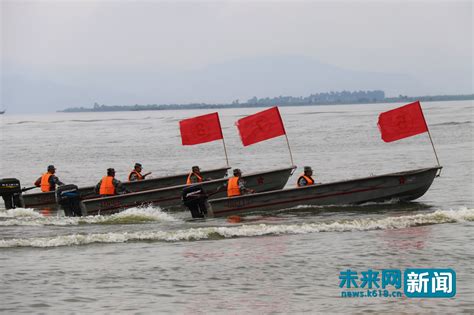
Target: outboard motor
68	198
10	190
195	199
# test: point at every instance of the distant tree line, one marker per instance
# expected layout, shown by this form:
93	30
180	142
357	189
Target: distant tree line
330	98
344	97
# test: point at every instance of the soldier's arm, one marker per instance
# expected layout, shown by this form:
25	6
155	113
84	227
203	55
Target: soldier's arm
56	180
119	186
97	187
222	187
194	179
302	181
244	189
38	182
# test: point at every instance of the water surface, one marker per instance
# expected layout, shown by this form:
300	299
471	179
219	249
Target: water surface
148	260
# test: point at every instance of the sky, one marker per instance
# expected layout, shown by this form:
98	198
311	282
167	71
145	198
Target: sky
58	54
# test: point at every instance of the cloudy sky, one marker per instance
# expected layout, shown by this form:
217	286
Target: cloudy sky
58	54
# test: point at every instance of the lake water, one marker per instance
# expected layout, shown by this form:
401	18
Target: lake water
148	260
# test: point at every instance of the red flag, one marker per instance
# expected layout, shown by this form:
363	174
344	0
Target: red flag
402	122
261	126
200	129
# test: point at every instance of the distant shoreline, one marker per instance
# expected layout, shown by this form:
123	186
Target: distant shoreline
280	101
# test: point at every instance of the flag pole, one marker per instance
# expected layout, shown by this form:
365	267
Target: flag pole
223	142
284	131
289	149
434	150
225	151
431	139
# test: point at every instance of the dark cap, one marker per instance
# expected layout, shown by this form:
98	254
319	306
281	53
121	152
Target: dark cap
195	167
110	171
51	167
138	165
237	171
308	169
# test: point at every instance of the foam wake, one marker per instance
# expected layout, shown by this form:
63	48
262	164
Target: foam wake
193	234
29	217
394	201
19	213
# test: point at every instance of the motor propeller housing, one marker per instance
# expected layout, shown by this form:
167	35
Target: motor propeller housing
68	198
10	190
195	199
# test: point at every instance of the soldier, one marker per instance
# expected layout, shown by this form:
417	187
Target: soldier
48	180
195	176
136	174
109	186
305	179
236	185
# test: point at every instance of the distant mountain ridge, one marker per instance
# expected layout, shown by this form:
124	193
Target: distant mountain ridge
292	75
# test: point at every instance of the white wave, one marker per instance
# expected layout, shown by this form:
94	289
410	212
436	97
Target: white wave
132	215
366	204
28	217
386	202
437	217
19	212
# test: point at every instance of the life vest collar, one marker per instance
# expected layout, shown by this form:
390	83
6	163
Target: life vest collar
309	180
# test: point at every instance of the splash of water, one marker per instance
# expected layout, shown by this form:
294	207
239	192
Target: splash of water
251	230
29	217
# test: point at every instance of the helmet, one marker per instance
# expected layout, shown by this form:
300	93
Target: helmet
51	168
308	169
110	171
237	171
138	165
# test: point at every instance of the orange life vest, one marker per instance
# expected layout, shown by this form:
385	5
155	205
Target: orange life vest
45	185
107	186
139	176
309	180
233	188
188	181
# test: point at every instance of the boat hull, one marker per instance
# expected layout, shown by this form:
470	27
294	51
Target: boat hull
170	197
404	186
47	199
